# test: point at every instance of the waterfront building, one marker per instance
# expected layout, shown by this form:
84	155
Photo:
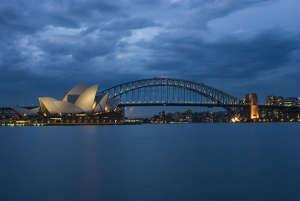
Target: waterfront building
291	102
281	101
274	100
80	99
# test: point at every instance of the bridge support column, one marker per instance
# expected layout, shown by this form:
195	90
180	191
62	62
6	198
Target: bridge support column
254	110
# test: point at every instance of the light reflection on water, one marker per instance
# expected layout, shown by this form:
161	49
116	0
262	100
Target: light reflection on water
151	162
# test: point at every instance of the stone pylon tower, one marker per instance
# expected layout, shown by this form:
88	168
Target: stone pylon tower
254	110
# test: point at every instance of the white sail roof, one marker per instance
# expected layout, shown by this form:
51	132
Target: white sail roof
54	106
76	91
78	100
103	103
86	100
48	103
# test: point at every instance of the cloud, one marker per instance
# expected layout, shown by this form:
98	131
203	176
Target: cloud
103	41
228	57
238	62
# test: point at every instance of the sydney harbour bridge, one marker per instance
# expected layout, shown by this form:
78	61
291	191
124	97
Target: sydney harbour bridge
179	92
169	92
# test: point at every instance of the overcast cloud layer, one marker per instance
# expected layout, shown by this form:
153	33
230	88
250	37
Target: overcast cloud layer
238	46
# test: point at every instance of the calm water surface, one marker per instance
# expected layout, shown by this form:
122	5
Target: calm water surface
209	162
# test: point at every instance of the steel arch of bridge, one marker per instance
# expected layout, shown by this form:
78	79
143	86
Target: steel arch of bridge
216	96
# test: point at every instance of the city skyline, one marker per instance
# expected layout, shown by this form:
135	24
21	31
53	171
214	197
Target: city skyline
126	103
240	47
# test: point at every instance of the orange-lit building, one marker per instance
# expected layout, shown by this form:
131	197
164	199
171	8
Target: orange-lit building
254	110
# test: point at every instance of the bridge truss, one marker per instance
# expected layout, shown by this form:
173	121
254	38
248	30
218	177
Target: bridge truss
168	91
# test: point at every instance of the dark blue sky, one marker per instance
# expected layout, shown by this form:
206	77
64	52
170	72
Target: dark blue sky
238	46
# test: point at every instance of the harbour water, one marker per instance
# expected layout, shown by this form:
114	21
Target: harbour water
210	162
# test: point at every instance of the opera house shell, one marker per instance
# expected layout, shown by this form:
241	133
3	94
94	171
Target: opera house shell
80	99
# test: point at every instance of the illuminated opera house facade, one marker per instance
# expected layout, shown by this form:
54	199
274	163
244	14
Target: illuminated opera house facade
80	99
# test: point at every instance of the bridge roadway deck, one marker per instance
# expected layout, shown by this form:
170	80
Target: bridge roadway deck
208	105
178	104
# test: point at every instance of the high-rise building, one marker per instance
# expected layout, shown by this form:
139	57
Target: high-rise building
274	100
281	101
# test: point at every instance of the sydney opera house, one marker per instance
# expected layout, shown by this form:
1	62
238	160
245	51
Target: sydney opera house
82	105
80	99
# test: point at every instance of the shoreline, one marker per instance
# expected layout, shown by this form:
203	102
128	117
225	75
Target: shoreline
131	123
